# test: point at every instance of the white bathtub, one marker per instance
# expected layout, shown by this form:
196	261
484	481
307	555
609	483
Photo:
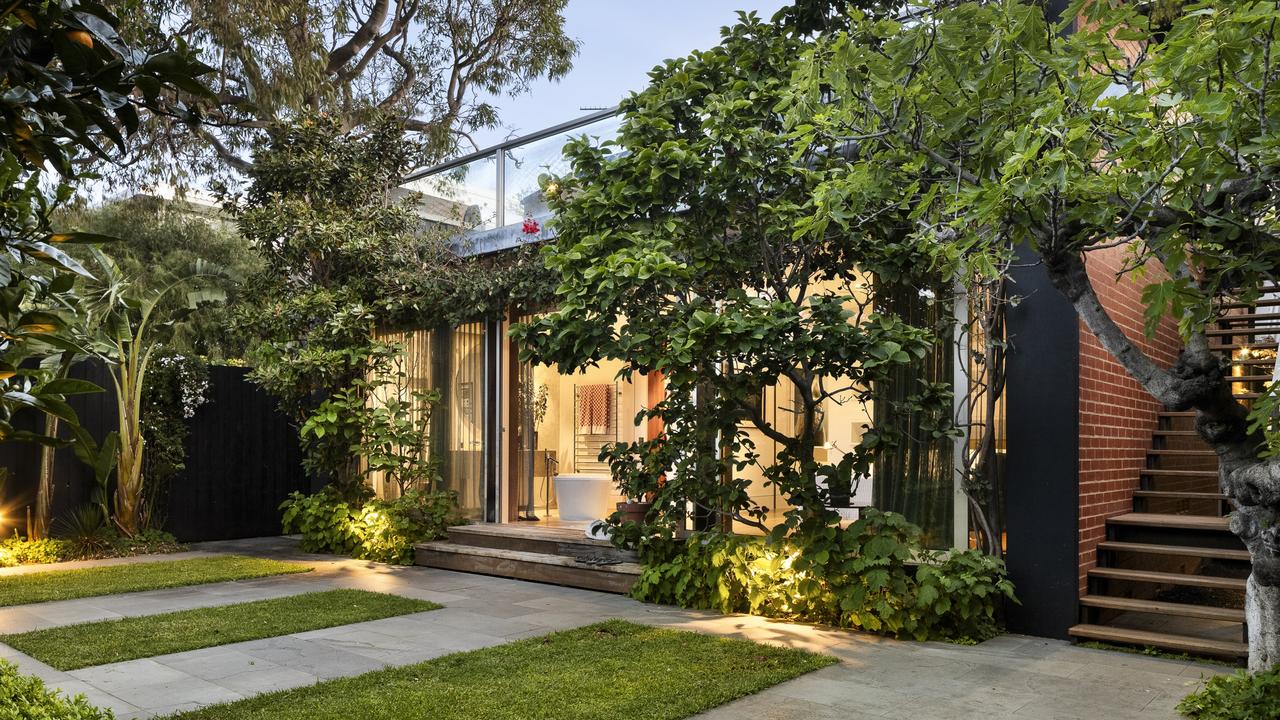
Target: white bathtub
585	497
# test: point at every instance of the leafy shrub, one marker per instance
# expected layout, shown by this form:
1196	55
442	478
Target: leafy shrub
23	696
16	551
381	530
874	575
144	542
1236	697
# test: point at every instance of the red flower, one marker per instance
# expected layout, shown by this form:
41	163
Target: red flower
531	226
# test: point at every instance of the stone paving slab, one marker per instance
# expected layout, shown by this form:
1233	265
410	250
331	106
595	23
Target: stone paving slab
1007	677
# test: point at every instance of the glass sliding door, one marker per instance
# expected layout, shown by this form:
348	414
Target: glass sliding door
916	478
460	440
411	373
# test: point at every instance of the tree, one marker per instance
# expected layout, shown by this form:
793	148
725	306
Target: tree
689	247
320	213
1151	132
425	62
162	241
73	89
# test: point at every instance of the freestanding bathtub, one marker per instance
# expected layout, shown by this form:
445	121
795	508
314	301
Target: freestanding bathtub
584	497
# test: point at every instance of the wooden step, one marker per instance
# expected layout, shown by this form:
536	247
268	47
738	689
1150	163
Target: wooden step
1163	578
1153	472
1249	330
570	542
1177	413
538	567
1178	495
1254	317
1271	345
1162	520
1164	641
1177	433
1261	302
1179	550
1260	361
1191	453
1203	612
1250	378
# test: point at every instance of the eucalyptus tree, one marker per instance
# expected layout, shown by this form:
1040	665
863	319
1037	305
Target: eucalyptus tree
429	63
1152	132
694	246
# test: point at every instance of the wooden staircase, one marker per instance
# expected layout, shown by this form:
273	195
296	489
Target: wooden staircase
1171	575
561	556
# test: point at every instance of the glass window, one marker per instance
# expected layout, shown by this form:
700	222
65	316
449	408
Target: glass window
465	197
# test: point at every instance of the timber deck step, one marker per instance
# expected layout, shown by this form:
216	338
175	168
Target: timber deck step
1179	550
1164	641
1164	578
538	567
1184	522
1178	495
1194	452
571	542
1203	612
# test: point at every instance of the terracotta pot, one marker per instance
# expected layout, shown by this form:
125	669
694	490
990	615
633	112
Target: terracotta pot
634	511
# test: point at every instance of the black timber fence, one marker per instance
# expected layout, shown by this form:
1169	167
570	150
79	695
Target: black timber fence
242	461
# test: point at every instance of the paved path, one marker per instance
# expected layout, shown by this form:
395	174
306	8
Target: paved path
1008	677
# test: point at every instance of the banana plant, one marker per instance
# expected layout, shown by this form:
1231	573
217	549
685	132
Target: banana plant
129	325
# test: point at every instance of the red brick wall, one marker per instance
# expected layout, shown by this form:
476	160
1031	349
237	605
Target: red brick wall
1116	414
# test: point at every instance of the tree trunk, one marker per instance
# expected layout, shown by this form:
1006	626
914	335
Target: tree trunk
1262	614
44	494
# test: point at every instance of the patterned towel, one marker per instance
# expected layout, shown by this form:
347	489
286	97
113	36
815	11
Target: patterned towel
595	408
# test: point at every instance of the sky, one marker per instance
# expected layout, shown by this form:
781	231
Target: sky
621	40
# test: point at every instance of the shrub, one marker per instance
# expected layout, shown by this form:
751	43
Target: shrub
1236	697
144	542
85	530
874	575
16	551
381	530
23	696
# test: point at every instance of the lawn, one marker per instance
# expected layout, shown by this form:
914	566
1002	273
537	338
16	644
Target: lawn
75	646
113	579
613	669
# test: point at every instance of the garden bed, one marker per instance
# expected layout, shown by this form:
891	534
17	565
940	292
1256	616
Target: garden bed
16	551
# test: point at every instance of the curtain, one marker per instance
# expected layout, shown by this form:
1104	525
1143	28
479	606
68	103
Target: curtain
916	478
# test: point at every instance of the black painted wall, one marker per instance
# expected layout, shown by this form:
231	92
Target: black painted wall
242	460
1042	467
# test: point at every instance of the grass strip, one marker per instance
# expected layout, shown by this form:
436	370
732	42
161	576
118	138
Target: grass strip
613	669
112	579
76	646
